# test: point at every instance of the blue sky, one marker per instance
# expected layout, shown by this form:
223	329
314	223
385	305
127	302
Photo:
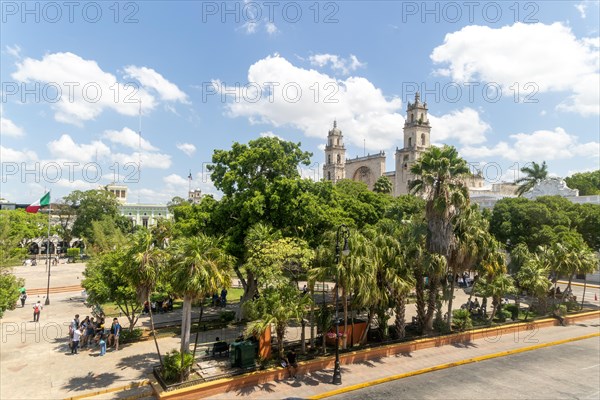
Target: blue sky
506	83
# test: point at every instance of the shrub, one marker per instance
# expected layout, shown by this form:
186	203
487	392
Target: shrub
227	316
504	314
173	368
128	336
462	319
73	253
572	306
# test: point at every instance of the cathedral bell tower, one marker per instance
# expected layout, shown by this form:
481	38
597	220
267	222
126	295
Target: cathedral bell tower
335	155
417	132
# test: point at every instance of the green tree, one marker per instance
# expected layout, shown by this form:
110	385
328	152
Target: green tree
588	183
533	175
105	281
144	268
201	267
91	205
383	185
9	290
277	305
439	173
533	277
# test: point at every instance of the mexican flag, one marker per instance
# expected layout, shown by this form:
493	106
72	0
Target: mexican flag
35	207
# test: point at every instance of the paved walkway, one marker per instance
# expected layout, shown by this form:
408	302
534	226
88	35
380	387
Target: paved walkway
320	382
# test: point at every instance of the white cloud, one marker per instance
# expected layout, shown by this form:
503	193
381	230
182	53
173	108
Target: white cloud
463	125
65	148
361	109
14	51
581	7
502	56
127	137
271	28
270	134
12	155
187	148
79	89
337	63
537	146
149	78
178	184
149	160
9	128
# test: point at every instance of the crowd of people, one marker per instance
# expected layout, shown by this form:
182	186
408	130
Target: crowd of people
92	333
161	306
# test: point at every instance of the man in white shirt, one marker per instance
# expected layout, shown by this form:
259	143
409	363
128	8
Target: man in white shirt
76	337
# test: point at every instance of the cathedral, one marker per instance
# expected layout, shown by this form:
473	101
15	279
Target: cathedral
369	168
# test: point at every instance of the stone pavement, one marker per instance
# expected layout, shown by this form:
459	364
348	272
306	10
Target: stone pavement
320	382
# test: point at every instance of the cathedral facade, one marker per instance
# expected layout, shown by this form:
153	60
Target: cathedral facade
368	169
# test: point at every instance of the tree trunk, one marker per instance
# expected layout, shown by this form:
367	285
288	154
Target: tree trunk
198	331
420	292
449	320
249	290
186	316
345	300
363	338
303	338
495	303
280	334
352	324
162	366
312	322
431	300
473	288
584	287
567	290
401	316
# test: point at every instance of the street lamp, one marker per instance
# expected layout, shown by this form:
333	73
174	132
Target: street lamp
343	232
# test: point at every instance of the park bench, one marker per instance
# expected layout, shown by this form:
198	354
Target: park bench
219	348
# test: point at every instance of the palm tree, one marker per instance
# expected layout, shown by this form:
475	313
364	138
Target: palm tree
201	267
533	277
535	174
383	185
279	306
144	267
439	172
500	286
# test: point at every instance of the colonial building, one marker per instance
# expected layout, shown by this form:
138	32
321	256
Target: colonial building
367	169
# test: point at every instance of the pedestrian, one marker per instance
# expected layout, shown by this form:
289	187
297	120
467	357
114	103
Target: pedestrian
291	363
224	297
37	309
117	333
102	344
76	337
89	334
111	334
23	297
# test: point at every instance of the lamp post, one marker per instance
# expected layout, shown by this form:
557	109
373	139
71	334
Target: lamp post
344	233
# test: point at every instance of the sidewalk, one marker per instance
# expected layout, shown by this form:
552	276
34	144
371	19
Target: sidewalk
320	382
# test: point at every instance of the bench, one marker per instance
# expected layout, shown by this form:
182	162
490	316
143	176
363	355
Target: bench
220	348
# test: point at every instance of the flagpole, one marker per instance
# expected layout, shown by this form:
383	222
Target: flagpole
48	256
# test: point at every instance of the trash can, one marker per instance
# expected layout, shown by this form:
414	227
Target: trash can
242	354
235	354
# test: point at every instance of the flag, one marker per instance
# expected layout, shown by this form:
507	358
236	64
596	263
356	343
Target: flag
190	176
35	207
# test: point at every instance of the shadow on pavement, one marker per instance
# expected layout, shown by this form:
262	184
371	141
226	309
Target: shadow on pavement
139	362
91	381
465	345
262	387
371	363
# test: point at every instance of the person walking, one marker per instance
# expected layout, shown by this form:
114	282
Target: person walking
37	309
117	330
102	344
76	337
23	297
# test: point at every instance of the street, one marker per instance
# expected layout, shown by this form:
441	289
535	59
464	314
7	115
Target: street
570	370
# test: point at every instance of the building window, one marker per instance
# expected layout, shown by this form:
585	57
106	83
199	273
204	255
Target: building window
422	139
328	158
409	142
338	141
145	222
339	159
412	117
328	175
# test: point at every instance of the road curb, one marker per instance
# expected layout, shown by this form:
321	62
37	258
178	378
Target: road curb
111	390
450	365
589	285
